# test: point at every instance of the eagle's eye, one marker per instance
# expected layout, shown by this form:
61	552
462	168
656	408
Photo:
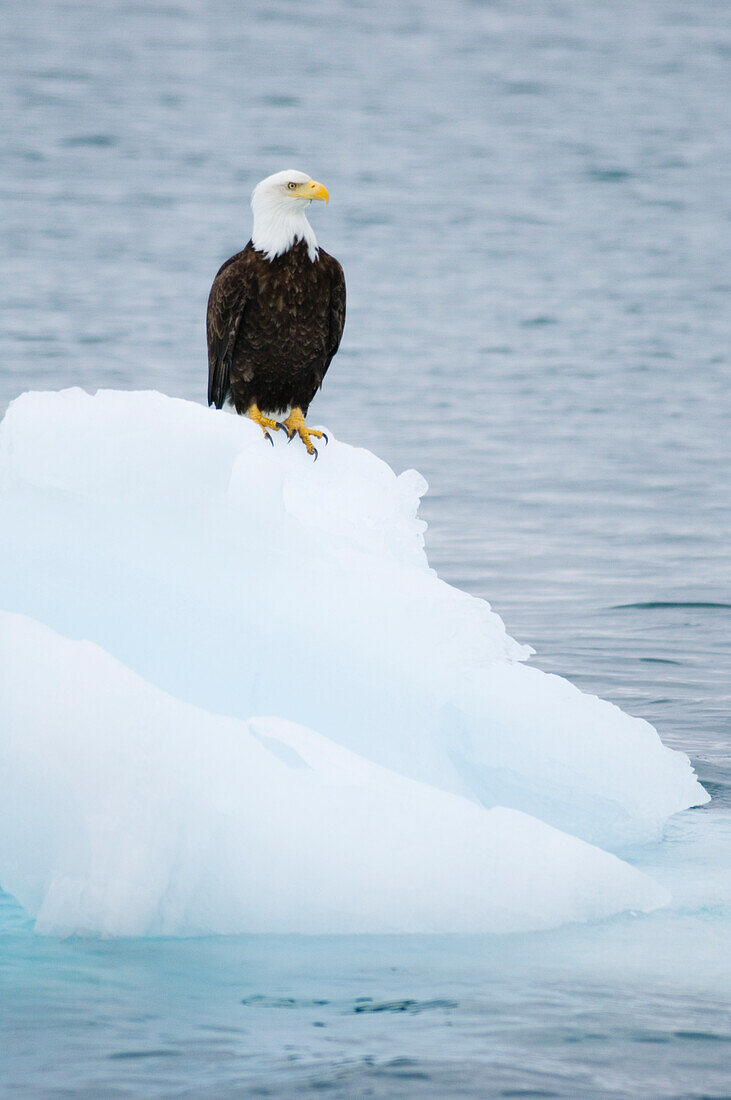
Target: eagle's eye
292	186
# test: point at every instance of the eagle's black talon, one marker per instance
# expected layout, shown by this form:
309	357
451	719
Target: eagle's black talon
324	436
285	429
314	451
267	436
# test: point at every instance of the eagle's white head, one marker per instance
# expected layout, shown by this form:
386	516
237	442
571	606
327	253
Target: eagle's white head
279	203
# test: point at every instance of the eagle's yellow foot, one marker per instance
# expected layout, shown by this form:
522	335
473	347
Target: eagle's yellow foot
264	422
295	425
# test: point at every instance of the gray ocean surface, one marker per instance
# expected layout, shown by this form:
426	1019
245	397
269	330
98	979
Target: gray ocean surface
531	203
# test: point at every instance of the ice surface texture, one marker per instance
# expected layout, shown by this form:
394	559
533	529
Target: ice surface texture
126	811
246	580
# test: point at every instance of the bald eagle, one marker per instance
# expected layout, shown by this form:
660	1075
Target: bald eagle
276	313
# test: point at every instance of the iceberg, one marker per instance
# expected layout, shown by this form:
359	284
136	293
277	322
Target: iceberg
128	812
188	577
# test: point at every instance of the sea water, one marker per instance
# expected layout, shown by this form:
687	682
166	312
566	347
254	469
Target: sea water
530	204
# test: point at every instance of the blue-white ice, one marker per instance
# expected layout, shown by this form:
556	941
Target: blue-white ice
284	721
128	812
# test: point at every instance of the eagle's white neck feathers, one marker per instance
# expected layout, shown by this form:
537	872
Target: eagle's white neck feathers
279	219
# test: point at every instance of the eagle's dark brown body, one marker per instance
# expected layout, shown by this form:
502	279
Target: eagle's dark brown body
273	328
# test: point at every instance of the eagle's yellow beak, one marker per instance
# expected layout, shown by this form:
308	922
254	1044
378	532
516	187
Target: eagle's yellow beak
313	190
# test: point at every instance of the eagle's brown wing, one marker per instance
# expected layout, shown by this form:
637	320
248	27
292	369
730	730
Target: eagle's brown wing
337	308
226	306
